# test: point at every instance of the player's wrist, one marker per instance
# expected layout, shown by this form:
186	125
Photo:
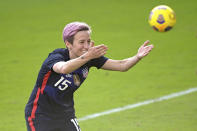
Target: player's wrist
85	57
138	57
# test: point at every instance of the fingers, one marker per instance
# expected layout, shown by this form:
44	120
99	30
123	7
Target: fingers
97	51
98	46
100	50
146	43
145	49
101	46
146	46
149	47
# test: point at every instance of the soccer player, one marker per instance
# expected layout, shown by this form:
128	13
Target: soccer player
51	106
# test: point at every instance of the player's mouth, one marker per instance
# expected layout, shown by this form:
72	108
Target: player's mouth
84	51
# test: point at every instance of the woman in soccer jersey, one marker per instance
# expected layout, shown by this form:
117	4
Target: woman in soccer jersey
51	106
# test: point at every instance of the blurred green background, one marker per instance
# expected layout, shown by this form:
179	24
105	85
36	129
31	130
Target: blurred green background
29	30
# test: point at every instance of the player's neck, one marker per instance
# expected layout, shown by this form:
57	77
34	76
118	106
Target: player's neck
72	55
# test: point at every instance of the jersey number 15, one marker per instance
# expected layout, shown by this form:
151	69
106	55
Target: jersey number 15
62	83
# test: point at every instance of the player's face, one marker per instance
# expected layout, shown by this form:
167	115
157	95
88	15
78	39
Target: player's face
81	44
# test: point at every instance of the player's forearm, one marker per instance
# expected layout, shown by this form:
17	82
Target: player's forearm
71	65
130	62
74	64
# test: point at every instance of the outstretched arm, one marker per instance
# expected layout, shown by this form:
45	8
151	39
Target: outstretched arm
126	64
71	65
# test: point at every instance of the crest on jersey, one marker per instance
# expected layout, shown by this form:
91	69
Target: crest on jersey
76	79
85	72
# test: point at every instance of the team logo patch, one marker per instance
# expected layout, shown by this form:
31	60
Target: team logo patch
85	72
69	75
76	79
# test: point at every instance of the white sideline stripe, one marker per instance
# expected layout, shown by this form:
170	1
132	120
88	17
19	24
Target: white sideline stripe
170	96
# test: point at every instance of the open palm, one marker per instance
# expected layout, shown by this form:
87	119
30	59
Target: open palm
144	49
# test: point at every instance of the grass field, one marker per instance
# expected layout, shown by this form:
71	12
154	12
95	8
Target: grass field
32	29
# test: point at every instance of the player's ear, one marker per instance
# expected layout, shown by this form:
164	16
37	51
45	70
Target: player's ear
68	45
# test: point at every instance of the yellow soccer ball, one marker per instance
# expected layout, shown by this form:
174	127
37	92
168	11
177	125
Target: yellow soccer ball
162	18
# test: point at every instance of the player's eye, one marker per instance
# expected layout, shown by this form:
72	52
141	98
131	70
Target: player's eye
89	41
81	42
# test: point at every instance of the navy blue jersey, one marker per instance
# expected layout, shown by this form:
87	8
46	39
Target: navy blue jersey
53	93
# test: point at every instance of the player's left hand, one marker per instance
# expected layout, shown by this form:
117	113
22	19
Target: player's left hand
144	50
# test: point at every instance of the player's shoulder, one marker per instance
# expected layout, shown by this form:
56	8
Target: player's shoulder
60	51
59	54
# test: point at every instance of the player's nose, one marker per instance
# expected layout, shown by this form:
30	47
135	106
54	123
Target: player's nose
86	45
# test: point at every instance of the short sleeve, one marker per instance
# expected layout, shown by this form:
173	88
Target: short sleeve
52	59
98	62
